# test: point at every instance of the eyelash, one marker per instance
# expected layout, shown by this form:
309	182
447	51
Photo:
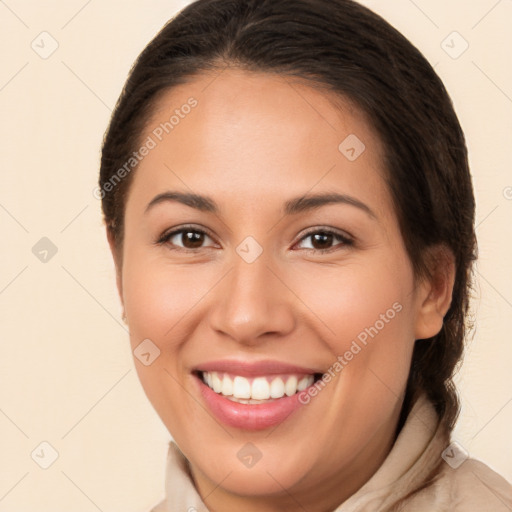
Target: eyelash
345	239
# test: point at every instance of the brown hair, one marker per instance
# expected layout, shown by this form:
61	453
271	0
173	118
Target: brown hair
341	45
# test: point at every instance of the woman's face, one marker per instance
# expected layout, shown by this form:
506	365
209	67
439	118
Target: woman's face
279	288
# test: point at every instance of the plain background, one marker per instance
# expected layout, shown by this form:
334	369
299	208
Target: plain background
67	376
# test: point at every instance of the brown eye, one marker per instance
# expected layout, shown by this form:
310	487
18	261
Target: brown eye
192	239
325	240
185	238
322	240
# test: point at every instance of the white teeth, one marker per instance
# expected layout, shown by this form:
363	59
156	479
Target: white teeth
304	383
257	389
290	387
227	386
260	389
241	387
277	388
217	383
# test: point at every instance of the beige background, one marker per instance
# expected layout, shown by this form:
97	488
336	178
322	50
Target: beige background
66	373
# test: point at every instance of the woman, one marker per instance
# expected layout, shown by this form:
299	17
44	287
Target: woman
287	198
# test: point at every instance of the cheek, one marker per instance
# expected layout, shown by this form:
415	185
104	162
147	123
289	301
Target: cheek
365	315
350	299
160	300
158	296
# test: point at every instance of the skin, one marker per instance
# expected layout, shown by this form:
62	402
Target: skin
253	142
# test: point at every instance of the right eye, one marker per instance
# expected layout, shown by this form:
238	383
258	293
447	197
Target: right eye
190	238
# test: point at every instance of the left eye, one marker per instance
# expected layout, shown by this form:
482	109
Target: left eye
322	240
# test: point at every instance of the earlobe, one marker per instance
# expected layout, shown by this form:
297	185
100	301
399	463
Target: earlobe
435	294
115	255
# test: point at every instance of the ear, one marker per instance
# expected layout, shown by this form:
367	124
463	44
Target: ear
117	262
435	293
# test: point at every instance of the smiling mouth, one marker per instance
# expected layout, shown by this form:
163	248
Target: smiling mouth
256	390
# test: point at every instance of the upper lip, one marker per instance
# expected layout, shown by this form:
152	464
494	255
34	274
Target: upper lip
253	368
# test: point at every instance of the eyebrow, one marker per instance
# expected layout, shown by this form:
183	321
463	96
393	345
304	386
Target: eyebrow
311	202
291	207
202	203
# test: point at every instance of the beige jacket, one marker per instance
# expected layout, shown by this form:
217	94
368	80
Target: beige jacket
462	484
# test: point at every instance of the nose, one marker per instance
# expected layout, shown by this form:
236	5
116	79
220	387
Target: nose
252	301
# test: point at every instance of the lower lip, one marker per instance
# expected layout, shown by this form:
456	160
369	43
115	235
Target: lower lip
249	416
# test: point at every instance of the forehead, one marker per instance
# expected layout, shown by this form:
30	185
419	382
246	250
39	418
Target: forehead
244	135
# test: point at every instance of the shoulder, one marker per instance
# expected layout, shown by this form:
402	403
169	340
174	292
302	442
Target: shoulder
471	486
477	487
